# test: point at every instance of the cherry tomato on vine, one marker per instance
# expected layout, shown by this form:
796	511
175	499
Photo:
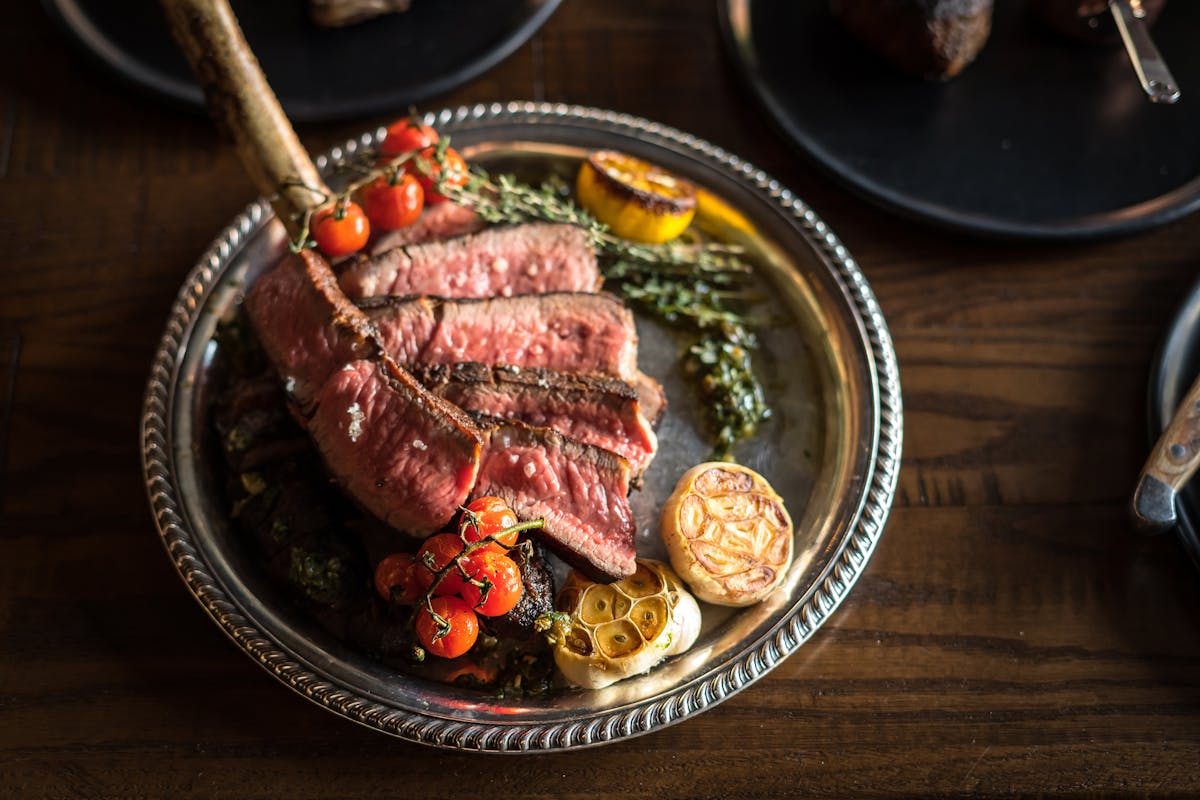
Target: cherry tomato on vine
392	205
462	627
405	135
340	228
493	515
426	169
505	589
443	547
396	578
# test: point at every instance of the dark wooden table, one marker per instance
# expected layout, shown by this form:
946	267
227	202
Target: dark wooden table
1009	635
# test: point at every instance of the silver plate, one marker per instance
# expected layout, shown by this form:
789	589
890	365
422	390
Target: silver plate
832	451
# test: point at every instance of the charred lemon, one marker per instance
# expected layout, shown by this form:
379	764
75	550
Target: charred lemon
635	199
615	630
728	534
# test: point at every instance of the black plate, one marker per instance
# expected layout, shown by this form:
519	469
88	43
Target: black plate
1042	137
384	64
1176	366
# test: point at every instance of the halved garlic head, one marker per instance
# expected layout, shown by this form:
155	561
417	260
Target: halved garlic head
727	533
623	628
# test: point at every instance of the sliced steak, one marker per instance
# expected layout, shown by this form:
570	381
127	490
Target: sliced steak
568	331
591	408
497	262
441	221
394	450
580	491
537	597
306	325
407	456
410	457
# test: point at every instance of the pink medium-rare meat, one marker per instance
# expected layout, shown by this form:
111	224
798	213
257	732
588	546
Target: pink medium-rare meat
389	449
441	221
566	331
305	324
579	490
497	262
410	457
357	399
599	411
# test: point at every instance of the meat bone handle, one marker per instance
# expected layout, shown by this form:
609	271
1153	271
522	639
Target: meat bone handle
243	105
1172	462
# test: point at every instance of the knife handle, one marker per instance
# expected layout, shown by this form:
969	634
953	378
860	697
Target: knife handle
1172	462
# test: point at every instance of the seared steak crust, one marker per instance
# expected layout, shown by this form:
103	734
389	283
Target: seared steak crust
566	331
496	262
594	409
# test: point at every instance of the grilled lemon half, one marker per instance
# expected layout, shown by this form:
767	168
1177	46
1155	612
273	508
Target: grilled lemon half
635	199
728	534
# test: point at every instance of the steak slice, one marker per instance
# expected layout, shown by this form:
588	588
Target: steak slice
392	449
580	491
306	325
596	410
407	456
505	261
437	222
566	331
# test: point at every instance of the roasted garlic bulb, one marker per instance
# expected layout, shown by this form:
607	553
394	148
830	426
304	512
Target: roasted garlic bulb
620	629
728	534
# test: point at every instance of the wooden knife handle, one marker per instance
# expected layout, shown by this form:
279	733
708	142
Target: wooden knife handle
1172	462
243	105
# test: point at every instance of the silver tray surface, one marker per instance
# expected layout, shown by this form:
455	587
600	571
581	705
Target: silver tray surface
832	450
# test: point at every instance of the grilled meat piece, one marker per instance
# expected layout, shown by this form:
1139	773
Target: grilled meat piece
411	458
581	492
306	325
537	597
524	259
394	450
930	38
567	331
327	354
599	411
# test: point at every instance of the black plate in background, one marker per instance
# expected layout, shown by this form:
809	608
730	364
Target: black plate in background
1175	367
383	64
1042	137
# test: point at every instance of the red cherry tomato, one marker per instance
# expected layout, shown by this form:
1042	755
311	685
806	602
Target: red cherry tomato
340	228
390	205
459	633
502	585
426	169
443	547
493	515
396	579
405	135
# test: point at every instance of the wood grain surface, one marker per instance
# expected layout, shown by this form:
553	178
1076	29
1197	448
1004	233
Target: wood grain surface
1010	635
